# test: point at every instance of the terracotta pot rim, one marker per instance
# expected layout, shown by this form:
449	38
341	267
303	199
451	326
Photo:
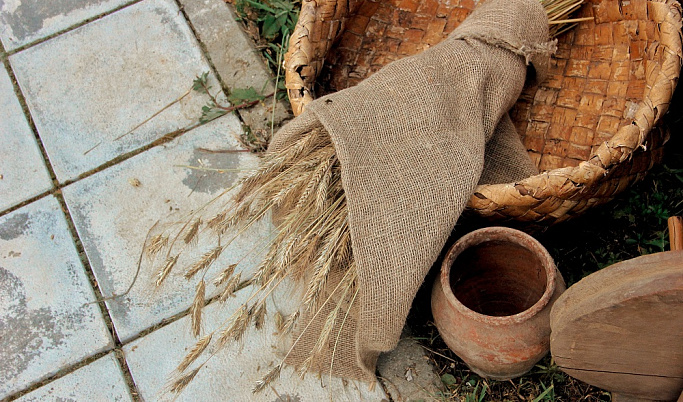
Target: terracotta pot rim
494	233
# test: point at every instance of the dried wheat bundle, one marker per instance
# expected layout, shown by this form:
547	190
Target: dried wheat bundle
302	184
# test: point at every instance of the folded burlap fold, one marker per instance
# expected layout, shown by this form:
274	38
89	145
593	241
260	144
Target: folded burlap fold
412	140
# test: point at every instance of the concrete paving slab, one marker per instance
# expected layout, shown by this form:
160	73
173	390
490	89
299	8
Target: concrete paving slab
96	83
100	380
25	21
113	211
46	324
22	169
230	375
407	373
236	60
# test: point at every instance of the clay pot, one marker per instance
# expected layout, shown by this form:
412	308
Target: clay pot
492	301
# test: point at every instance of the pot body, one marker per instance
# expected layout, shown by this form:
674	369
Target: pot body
491	303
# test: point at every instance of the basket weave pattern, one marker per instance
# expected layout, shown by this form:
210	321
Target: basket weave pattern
592	127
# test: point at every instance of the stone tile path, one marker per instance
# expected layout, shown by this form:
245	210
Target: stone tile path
47	320
78	195
97	82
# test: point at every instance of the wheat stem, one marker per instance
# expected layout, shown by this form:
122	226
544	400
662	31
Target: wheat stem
194	353
197	306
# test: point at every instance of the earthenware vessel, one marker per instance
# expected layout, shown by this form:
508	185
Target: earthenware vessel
492	300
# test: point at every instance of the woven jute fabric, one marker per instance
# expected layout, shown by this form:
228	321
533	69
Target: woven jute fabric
411	140
505	158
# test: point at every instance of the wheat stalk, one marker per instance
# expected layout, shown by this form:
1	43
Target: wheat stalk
259	315
204	262
289	322
193	230
230	287
302	182
194	353
272	375
165	269
183	381
156	244
559	15
224	275
197	306
322	342
238	327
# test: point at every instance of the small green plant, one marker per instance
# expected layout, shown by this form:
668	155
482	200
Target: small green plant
449	380
647	206
477	395
547	395
550	373
239	98
271	23
275	18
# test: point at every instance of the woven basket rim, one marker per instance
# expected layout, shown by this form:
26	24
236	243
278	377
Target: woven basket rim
565	183
627	140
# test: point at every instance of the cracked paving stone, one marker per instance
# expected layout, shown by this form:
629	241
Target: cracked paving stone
46	321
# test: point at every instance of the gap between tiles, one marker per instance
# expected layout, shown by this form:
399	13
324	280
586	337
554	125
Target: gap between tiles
70	28
61	373
56	191
99	298
117	350
58	186
118	345
32	126
177	316
267	116
159	141
205	52
127	376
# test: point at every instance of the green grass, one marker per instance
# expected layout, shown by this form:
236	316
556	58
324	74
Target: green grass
543	383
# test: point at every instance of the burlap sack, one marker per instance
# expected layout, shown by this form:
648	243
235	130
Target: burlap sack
411	141
505	158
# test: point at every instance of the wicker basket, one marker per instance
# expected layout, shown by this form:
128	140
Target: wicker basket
592	128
